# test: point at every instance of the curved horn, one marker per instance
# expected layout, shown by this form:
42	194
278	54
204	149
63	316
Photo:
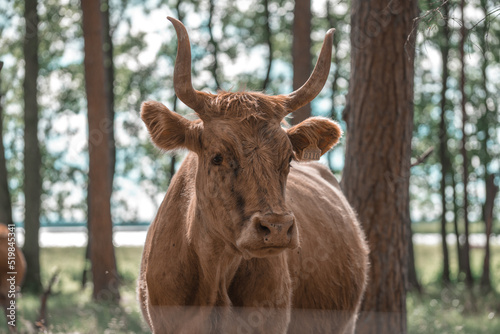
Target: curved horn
317	80
182	71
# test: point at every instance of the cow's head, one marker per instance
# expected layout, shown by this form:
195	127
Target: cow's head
244	154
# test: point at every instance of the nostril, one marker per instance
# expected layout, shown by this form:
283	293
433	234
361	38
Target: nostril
290	231
263	229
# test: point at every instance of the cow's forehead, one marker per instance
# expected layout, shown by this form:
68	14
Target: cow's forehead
244	105
247	136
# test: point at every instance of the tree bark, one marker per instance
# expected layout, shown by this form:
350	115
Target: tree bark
5	201
379	117
491	193
269	45
301	53
173	158
443	144
485	123
32	157
455	225
331	24
104	273
463	150
336	60
109	86
413	282
214	45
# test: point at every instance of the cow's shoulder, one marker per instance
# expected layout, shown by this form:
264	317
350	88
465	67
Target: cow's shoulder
166	253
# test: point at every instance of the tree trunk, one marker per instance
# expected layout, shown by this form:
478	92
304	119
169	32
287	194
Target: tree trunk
301	53
336	39
463	149
443	144
32	157
379	117
173	158
109	85
5	201
413	282
269	45
491	193
460	257
213	45
104	273
485	123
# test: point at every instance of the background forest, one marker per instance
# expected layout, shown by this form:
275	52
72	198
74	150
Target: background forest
246	45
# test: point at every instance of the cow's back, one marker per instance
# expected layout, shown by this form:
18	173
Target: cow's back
329	268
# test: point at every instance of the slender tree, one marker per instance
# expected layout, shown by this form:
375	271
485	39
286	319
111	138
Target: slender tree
412	280
336	38
110	98
460	252
5	201
173	158
379	117
107	36
32	157
213	44
443	143
486	122
104	273
269	44
463	150
491	193
301	53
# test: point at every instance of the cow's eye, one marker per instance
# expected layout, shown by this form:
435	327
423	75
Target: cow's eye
217	160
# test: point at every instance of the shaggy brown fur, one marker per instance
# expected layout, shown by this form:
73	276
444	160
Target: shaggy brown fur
247	240
19	268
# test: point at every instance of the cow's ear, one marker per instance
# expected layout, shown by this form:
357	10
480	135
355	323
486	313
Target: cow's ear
314	137
169	130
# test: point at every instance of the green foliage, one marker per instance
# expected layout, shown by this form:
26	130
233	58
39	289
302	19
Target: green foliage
482	110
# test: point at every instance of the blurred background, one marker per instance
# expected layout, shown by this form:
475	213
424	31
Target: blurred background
237	45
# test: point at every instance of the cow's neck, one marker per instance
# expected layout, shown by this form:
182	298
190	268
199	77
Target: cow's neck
217	262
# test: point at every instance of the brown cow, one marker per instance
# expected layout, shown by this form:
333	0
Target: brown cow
228	252
11	261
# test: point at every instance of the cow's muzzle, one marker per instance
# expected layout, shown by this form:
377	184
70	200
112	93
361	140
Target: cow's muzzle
273	229
268	234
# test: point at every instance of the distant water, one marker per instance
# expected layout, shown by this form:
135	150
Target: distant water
77	236
136	236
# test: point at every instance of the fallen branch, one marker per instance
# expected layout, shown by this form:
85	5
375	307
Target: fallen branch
41	323
422	158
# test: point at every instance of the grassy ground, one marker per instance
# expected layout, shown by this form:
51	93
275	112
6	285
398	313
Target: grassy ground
435	227
453	309
70	309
